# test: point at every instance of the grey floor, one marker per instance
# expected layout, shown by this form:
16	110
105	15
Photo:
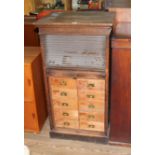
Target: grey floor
41	144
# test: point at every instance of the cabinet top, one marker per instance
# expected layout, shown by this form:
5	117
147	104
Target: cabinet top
117	4
86	18
30	53
29	20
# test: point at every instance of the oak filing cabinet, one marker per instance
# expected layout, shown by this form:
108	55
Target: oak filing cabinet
35	111
75	51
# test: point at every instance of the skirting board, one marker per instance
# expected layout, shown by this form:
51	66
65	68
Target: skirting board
103	140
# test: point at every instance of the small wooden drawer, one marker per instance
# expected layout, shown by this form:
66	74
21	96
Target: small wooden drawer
68	83
91	84
93	126
90	95
28	83
65	104
96	116
30	117
63	114
63	94
74	124
91	105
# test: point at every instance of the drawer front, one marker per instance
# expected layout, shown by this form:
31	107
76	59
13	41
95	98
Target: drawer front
63	114
30	116
87	96
91	84
97	116
28	84
65	104
93	126
74	124
91	105
62	83
64	94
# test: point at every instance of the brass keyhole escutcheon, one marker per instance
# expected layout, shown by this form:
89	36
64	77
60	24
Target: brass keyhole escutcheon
63	94
91	96
66	123
91	126
65	104
65	114
63	83
91	85
91	116
91	106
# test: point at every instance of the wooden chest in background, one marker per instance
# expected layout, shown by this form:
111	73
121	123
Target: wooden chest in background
31	36
120	72
35	111
122	8
120	118
75	50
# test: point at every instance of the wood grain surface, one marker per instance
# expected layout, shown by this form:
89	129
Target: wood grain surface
35	111
90	18
120	115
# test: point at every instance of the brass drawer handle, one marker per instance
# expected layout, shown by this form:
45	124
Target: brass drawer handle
91	96
65	104
91	116
91	106
91	85
63	94
91	126
63	83
65	114
66	123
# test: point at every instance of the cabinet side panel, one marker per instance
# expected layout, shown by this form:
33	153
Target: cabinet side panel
30	117
39	91
120	118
